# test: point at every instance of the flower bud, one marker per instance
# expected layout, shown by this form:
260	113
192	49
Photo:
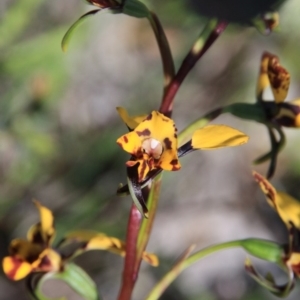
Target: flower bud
264	249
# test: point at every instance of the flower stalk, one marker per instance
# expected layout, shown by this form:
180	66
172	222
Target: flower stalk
130	273
208	36
263	249
164	48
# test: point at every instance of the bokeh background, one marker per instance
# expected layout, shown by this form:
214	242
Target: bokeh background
58	127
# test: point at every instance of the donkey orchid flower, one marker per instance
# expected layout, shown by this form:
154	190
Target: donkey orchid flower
153	146
36	254
288	209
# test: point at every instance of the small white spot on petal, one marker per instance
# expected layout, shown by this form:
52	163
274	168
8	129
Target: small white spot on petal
154	143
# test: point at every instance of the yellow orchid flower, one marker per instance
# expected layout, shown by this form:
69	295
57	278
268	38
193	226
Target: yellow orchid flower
37	255
153	146
276	113
273	75
153	142
288	210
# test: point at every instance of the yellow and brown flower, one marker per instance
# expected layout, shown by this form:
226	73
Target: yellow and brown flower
153	145
37	255
273	75
288	209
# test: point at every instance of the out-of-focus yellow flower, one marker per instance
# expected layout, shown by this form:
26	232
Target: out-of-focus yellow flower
37	255
288	209
273	75
274	113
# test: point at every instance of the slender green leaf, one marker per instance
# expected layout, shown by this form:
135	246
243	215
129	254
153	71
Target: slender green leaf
67	37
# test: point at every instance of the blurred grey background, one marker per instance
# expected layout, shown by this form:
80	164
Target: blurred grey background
58	127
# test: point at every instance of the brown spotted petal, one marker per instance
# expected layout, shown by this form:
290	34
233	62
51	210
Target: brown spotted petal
26	257
15	268
263	79
23	256
131	143
286	206
279	79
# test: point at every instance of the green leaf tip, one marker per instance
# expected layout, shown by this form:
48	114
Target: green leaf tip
263	249
67	37
135	8
247	111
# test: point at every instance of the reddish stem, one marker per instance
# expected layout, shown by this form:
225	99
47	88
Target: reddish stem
188	63
130	274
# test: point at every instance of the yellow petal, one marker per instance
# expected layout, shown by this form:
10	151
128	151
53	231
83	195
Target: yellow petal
131	122
94	241
217	136
295	102
279	79
288	209
151	259
286	206
49	261
131	143
15	268
105	243
268	189
44	231
99	241
294	263
83	235
263	78
160	128
143	168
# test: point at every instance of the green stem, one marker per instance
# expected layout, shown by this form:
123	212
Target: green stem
185	135
145	230
164	48
178	268
207	37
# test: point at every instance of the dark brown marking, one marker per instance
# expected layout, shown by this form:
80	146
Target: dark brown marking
145	132
270	193
149	117
174	162
168	143
125	138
